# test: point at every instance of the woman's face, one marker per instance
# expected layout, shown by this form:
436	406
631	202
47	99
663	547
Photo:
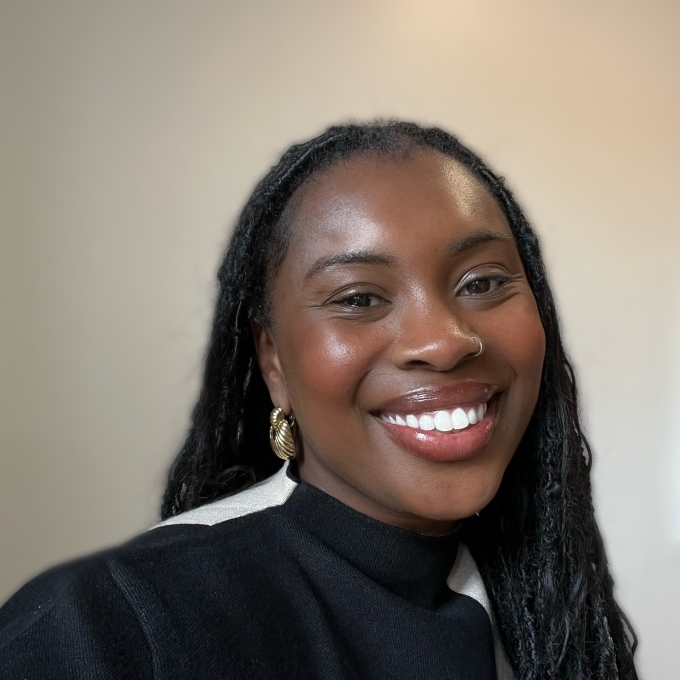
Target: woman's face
395	266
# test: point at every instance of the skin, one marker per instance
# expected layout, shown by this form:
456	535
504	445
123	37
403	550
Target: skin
345	338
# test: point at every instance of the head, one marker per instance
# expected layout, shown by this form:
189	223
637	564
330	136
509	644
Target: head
359	276
396	262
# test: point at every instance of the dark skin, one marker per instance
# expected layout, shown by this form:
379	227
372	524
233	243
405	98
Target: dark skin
394	265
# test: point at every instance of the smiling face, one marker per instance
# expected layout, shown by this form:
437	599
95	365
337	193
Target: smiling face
395	266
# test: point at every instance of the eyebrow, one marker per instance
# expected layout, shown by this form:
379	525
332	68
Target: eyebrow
351	257
371	258
477	239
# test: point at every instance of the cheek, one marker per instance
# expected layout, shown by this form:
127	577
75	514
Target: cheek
519	336
328	363
532	352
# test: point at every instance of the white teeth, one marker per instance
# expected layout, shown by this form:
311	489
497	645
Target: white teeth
426	422
442	421
460	420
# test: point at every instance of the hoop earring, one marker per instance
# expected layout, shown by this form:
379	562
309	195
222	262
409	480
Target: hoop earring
481	345
281	435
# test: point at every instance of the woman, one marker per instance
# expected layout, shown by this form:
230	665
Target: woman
385	325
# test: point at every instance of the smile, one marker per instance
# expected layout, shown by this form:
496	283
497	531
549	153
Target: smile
458	418
448	434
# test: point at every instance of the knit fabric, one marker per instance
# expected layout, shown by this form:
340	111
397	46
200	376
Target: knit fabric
286	582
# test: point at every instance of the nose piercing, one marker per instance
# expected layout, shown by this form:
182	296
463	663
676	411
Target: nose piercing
481	346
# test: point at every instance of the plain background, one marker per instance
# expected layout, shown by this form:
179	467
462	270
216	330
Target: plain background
132	132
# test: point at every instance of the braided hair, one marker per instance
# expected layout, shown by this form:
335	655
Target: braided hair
537	543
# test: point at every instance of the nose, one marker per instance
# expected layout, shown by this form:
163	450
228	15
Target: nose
433	337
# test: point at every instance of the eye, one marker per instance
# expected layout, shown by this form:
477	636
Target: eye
361	300
483	285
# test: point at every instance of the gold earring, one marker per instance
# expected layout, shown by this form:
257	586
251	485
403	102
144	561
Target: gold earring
281	434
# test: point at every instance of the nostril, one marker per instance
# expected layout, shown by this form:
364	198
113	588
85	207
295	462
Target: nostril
443	355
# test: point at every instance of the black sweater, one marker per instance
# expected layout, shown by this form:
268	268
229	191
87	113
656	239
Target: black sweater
280	581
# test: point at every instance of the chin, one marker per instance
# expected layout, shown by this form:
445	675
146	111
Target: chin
456	502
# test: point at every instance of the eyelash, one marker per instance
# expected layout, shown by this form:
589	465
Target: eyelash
345	301
498	278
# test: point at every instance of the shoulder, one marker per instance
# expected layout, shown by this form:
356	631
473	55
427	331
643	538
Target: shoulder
97	608
190	531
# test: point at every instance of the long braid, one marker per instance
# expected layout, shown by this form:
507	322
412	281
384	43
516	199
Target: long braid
227	448
537	543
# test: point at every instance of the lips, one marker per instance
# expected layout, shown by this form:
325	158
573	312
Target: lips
434	398
447	423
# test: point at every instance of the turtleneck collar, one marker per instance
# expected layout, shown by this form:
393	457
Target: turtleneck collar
411	565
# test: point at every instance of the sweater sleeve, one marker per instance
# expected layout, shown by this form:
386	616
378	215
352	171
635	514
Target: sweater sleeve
72	622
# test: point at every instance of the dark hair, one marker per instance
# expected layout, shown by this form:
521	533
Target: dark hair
537	544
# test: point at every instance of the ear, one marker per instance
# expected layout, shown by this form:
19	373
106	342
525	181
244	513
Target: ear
270	366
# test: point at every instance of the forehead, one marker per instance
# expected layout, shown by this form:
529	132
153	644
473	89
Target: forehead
399	205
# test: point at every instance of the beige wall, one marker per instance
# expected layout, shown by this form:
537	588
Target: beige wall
131	132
